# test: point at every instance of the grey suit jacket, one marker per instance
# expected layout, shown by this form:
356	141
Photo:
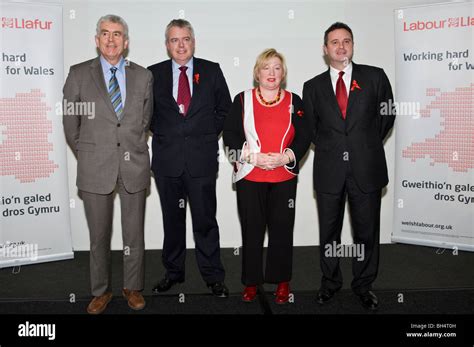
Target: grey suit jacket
103	145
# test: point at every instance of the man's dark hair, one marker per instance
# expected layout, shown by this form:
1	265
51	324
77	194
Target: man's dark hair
335	26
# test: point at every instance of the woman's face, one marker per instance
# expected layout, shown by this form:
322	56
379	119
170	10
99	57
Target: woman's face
270	75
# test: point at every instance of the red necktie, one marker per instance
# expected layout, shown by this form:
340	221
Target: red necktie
341	95
184	93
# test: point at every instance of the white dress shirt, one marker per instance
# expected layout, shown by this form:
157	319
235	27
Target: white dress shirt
346	77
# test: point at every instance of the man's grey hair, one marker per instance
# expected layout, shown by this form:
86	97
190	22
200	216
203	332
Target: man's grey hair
114	19
180	23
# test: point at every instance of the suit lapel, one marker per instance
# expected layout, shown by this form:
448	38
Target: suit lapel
129	84
168	84
98	78
354	96
196	86
330	96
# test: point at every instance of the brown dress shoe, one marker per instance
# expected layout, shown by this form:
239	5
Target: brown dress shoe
135	299
99	303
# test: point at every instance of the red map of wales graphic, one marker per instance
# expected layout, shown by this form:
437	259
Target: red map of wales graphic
24	145
454	144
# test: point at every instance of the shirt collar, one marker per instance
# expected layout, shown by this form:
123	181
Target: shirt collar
189	64
335	72
106	65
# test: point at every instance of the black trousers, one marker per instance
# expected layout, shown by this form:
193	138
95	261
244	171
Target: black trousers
263	205
175	192
365	219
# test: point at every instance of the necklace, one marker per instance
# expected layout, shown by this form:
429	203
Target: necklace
268	103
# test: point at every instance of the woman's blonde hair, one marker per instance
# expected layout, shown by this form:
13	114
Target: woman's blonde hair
263	58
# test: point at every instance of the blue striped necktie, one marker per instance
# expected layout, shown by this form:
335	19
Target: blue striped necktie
114	93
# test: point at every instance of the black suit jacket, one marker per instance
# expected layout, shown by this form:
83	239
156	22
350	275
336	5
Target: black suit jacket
189	141
359	138
234	133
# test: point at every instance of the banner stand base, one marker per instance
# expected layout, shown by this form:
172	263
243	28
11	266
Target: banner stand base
39	259
421	242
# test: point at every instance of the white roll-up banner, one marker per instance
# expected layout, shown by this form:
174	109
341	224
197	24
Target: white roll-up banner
34	197
434	170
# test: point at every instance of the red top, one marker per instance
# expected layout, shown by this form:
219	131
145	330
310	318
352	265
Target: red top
272	123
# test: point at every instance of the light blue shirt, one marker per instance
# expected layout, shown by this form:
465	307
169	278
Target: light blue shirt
177	72
120	74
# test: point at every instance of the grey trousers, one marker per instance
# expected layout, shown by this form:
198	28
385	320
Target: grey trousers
99	214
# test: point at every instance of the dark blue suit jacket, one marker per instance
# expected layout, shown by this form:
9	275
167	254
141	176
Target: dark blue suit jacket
189	141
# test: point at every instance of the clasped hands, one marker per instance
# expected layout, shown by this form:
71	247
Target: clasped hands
269	161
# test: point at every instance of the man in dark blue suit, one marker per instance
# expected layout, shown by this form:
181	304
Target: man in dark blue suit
191	101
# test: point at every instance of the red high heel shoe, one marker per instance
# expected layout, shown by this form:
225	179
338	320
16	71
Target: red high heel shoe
282	293
249	294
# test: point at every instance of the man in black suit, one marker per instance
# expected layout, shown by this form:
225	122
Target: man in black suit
190	105
348	105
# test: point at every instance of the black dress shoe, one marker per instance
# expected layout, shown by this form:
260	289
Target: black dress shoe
369	300
324	295
219	289
164	285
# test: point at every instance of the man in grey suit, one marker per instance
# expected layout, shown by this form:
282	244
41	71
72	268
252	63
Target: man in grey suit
112	153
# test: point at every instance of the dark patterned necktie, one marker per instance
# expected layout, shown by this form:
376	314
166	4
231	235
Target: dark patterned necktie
184	93
341	94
